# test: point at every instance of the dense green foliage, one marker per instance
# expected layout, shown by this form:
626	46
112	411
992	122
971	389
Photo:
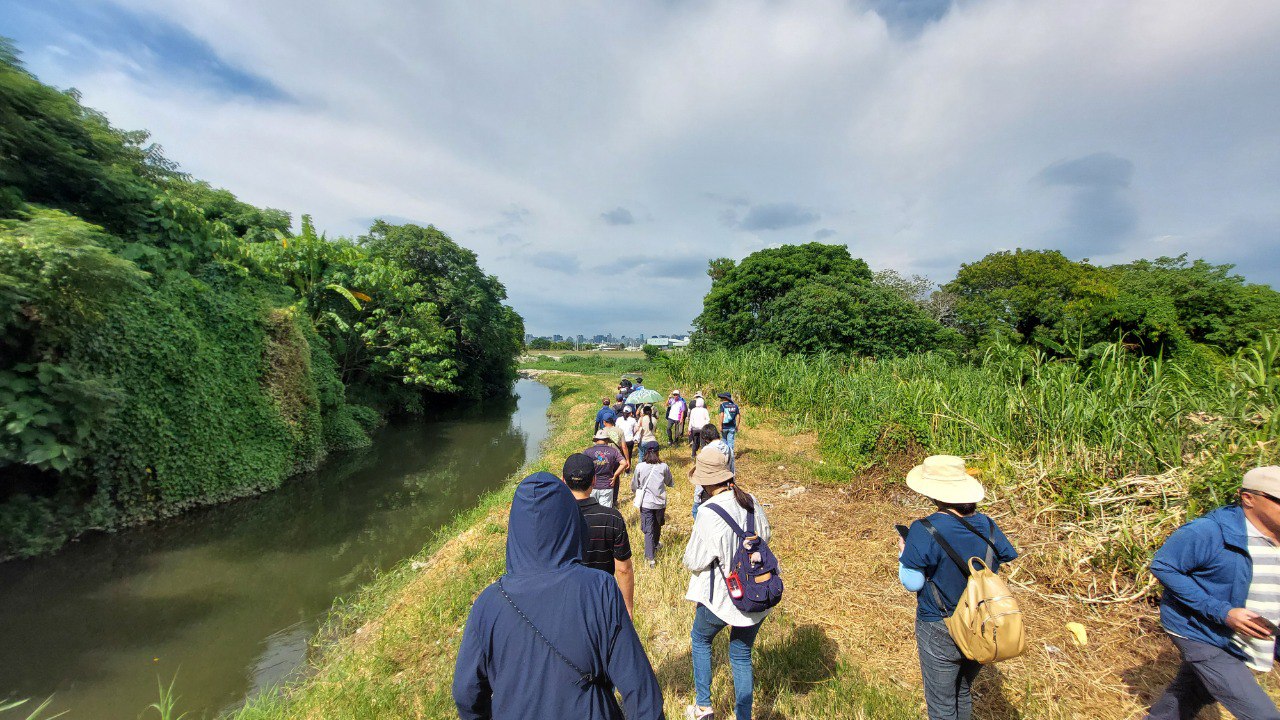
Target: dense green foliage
165	345
810	298
1163	306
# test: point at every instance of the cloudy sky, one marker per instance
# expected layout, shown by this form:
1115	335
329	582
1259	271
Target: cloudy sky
576	145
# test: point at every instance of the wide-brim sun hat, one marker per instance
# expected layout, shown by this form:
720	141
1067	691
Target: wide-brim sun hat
944	478
712	468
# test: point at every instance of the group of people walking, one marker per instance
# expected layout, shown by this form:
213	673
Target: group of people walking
553	637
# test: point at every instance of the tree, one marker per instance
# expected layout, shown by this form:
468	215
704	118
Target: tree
1163	304
1026	294
736	310
810	298
488	335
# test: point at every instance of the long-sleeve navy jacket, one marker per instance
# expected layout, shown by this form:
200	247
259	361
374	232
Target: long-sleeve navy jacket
505	671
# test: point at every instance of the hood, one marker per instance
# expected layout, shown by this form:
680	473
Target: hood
544	532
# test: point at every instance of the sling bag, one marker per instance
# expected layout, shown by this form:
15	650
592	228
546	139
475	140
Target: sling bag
986	623
585	677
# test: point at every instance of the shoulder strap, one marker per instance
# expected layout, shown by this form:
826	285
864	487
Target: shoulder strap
737	529
991	547
946	546
585	678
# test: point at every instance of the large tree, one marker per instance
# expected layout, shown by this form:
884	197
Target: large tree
809	298
1025	295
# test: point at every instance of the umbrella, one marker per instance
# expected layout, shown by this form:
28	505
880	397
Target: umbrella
644	397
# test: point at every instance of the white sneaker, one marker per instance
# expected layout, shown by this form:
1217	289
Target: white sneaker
693	712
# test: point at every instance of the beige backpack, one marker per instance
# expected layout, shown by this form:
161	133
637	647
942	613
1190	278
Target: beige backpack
986	623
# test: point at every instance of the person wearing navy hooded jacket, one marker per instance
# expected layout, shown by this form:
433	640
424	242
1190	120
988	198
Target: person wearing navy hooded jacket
505	670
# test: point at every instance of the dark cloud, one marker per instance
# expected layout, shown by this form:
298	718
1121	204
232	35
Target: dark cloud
618	216
1099	170
908	18
823	233
1099	214
558	261
512	240
513	216
770	216
688	267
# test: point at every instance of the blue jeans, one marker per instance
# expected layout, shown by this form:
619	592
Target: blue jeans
948	675
705	627
728	434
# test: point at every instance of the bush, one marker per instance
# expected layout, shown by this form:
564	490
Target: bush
343	431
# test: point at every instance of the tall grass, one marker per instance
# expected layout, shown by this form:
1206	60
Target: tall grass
1120	447
1078	423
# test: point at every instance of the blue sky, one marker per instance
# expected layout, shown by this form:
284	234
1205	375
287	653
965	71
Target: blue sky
574	146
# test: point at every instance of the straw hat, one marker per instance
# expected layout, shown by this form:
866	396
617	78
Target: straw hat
943	478
712	468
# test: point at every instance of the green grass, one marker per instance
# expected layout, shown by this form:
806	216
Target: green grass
1081	424
590	363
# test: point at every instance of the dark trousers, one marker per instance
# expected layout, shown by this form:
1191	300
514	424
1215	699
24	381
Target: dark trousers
695	442
1210	674
651	522
678	427
948	675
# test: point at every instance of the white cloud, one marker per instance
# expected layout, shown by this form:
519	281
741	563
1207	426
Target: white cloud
919	152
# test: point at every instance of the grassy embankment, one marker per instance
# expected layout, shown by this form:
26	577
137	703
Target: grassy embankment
390	650
1061	449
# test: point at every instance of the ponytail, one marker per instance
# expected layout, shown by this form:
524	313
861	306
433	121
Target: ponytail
745	501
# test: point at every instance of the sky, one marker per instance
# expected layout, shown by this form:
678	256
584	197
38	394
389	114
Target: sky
596	155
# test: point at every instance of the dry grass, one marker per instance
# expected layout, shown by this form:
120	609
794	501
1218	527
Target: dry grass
841	645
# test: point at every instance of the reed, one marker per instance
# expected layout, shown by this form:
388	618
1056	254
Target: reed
1068	435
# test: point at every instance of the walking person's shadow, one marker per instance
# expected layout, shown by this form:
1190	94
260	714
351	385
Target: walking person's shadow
797	662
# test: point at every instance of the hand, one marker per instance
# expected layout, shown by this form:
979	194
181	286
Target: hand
1246	623
902	545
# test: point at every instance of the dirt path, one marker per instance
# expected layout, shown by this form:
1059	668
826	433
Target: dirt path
838	551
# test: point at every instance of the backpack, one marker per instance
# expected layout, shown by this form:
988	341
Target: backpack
761	580
986	623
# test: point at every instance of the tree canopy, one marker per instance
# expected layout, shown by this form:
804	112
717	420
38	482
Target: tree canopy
810	298
1160	306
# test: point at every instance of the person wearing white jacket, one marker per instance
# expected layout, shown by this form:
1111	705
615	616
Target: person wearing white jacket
711	546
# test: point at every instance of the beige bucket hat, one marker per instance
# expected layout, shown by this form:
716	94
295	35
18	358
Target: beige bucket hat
945	479
712	468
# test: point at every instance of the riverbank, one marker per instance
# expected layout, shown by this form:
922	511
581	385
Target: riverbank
840	646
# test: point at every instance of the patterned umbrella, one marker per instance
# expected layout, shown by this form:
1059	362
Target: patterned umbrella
644	397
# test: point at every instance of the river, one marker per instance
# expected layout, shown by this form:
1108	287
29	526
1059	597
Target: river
226	598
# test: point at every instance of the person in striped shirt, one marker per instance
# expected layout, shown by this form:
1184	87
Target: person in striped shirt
1221	603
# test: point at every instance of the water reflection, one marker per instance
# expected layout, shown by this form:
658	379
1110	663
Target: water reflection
228	597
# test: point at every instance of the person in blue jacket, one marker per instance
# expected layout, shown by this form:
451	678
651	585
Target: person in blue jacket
584	645
1221	603
604	412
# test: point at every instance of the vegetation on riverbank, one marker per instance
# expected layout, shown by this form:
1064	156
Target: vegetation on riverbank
164	345
837	648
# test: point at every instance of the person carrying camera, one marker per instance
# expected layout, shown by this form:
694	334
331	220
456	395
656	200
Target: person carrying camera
1221	603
